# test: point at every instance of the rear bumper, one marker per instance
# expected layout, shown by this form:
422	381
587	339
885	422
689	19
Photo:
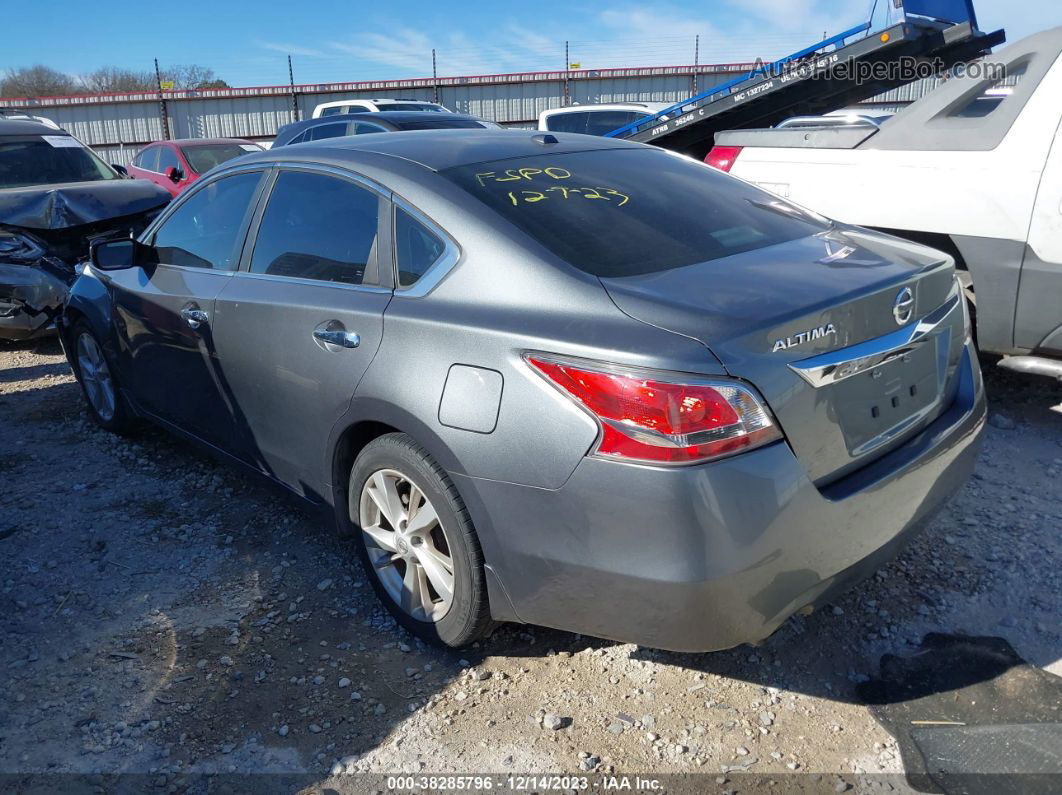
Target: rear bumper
709	557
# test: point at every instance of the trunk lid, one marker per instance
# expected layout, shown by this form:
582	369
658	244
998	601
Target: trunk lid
814	325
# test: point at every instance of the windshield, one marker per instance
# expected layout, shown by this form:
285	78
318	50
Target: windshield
48	160
203	157
411	106
627	212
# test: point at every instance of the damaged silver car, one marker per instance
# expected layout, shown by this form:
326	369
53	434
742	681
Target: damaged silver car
56	196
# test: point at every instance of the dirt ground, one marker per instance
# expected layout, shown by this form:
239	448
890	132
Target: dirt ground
163	614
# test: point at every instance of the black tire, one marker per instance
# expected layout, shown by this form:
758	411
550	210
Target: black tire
121	421
468	617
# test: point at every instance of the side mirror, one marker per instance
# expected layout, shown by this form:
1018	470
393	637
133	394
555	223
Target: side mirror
120	169
115	255
174	174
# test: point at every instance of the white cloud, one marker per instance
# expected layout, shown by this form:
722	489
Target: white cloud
290	49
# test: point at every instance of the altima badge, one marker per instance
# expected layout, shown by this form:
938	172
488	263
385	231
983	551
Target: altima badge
903	306
804	336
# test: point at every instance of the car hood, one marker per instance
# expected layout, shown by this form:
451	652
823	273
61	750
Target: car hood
77	204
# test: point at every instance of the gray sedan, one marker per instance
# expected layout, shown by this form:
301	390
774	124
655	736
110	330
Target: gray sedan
541	378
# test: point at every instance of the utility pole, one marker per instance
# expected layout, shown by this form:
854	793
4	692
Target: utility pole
163	115
696	60
294	98
567	91
434	78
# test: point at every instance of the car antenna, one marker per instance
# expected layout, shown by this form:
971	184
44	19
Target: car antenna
545	139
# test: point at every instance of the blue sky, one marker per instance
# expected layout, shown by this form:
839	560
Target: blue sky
334	40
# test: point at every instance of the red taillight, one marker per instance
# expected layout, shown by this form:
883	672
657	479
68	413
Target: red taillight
654	418
723	157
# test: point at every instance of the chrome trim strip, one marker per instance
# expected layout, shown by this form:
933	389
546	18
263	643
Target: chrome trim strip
829	368
272	277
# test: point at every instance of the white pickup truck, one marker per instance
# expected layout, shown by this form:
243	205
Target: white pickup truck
974	169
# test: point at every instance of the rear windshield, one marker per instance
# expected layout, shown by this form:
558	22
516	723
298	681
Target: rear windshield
627	212
48	160
439	122
203	157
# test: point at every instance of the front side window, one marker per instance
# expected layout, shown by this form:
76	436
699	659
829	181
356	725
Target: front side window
148	159
48	160
206	230
416	248
319	227
167	159
336	130
335	111
628	212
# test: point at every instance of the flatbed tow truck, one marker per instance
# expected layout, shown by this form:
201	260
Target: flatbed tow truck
852	66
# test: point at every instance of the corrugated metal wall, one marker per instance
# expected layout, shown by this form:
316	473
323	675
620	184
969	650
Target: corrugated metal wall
117	127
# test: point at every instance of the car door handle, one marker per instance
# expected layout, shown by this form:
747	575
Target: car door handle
344	339
194	317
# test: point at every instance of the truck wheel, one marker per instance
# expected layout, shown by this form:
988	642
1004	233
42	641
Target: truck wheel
417	542
105	403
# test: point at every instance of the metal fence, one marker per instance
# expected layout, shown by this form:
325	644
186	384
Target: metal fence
118	125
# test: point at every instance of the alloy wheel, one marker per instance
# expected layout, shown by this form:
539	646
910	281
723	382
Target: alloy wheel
407	545
96	377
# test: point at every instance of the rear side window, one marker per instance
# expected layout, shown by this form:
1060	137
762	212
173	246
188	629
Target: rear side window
605	121
627	212
990	97
333	111
416	248
318	227
336	130
568	122
205	231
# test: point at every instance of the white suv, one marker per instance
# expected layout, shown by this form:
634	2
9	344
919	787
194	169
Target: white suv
597	119
375	106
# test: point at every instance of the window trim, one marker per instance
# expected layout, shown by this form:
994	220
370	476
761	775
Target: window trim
384	234
147	237
439	269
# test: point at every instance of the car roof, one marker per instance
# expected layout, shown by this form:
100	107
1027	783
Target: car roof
375	101
27	127
195	141
447	148
647	106
386	116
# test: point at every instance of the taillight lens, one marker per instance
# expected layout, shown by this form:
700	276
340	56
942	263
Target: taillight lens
723	157
651	417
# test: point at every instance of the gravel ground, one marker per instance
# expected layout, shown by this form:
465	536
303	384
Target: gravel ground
163	614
